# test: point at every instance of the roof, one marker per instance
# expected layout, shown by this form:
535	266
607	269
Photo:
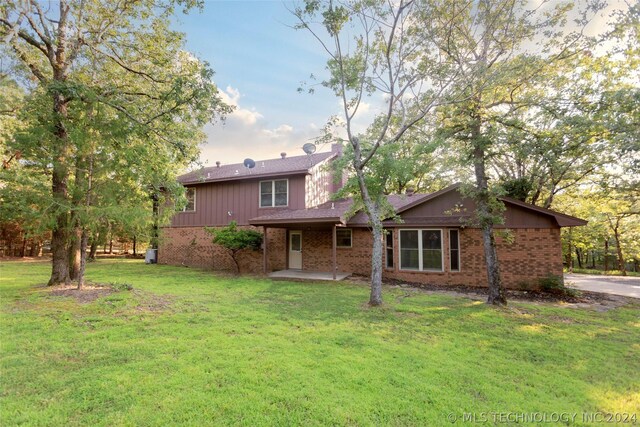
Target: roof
332	212
264	168
336	212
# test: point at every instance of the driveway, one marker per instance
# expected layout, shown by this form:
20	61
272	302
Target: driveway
615	285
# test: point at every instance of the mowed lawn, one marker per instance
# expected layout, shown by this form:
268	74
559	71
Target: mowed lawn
188	347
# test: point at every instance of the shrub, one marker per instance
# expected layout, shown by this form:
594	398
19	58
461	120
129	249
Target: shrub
555	285
235	239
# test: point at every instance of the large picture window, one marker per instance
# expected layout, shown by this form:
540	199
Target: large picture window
454	250
421	250
274	193
190	194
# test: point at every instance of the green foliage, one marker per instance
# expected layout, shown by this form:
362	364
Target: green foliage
256	352
234	238
555	285
518	188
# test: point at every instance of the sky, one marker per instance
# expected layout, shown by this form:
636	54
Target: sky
260	61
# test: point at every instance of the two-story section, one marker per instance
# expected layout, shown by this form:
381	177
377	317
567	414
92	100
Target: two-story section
220	194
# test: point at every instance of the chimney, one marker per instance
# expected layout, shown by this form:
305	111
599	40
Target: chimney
337	148
218	164
409	191
283	155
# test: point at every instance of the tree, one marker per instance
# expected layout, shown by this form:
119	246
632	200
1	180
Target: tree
110	79
373	48
489	40
235	240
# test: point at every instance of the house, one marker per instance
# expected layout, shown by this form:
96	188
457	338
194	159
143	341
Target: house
289	199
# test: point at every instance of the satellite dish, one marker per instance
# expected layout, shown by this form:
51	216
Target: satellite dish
249	163
309	148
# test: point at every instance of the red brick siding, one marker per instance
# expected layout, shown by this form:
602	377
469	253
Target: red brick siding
192	247
533	254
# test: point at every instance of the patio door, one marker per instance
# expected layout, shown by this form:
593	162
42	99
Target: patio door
295	250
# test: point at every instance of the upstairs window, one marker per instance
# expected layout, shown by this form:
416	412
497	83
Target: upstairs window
190	194
421	250
274	193
343	237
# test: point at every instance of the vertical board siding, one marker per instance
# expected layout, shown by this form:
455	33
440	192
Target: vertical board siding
214	200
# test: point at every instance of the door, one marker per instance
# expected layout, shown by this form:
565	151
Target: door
295	250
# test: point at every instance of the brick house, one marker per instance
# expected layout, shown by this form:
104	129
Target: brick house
289	199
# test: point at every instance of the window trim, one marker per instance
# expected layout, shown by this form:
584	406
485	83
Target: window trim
459	250
184	209
420	250
273	193
350	238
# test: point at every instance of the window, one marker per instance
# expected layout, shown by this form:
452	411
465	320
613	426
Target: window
343	237
190	194
274	193
389	249
454	250
421	250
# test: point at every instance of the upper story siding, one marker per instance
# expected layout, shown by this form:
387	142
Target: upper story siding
219	203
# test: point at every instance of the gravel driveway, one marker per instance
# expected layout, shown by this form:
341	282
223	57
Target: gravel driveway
615	285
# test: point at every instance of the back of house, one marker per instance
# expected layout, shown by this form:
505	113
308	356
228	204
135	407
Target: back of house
289	199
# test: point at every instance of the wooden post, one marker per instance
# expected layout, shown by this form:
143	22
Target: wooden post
333	251
264	250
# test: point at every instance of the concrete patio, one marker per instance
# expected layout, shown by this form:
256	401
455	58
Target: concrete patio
307	275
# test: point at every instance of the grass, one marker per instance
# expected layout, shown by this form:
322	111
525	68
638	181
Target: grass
186	347
602	272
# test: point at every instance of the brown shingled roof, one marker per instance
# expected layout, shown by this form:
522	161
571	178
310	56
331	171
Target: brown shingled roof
264	168
335	212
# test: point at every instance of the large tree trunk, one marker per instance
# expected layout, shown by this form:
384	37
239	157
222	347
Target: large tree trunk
375	297
75	238
485	216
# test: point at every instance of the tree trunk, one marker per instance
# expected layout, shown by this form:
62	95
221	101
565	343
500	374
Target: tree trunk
375	297
579	257
485	216
606	255
134	245
94	249
23	252
84	240
111	245
74	253
621	265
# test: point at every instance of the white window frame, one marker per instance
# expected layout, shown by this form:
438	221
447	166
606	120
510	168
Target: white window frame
273	193
420	250
184	209
350	237
459	250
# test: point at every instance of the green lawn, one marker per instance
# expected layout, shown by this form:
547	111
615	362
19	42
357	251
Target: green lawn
192	348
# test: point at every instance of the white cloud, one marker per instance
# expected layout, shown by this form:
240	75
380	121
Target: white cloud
248	133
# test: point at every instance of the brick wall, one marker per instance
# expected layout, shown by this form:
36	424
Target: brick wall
530	254
193	247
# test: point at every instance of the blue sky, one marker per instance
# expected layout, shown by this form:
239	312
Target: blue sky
259	62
